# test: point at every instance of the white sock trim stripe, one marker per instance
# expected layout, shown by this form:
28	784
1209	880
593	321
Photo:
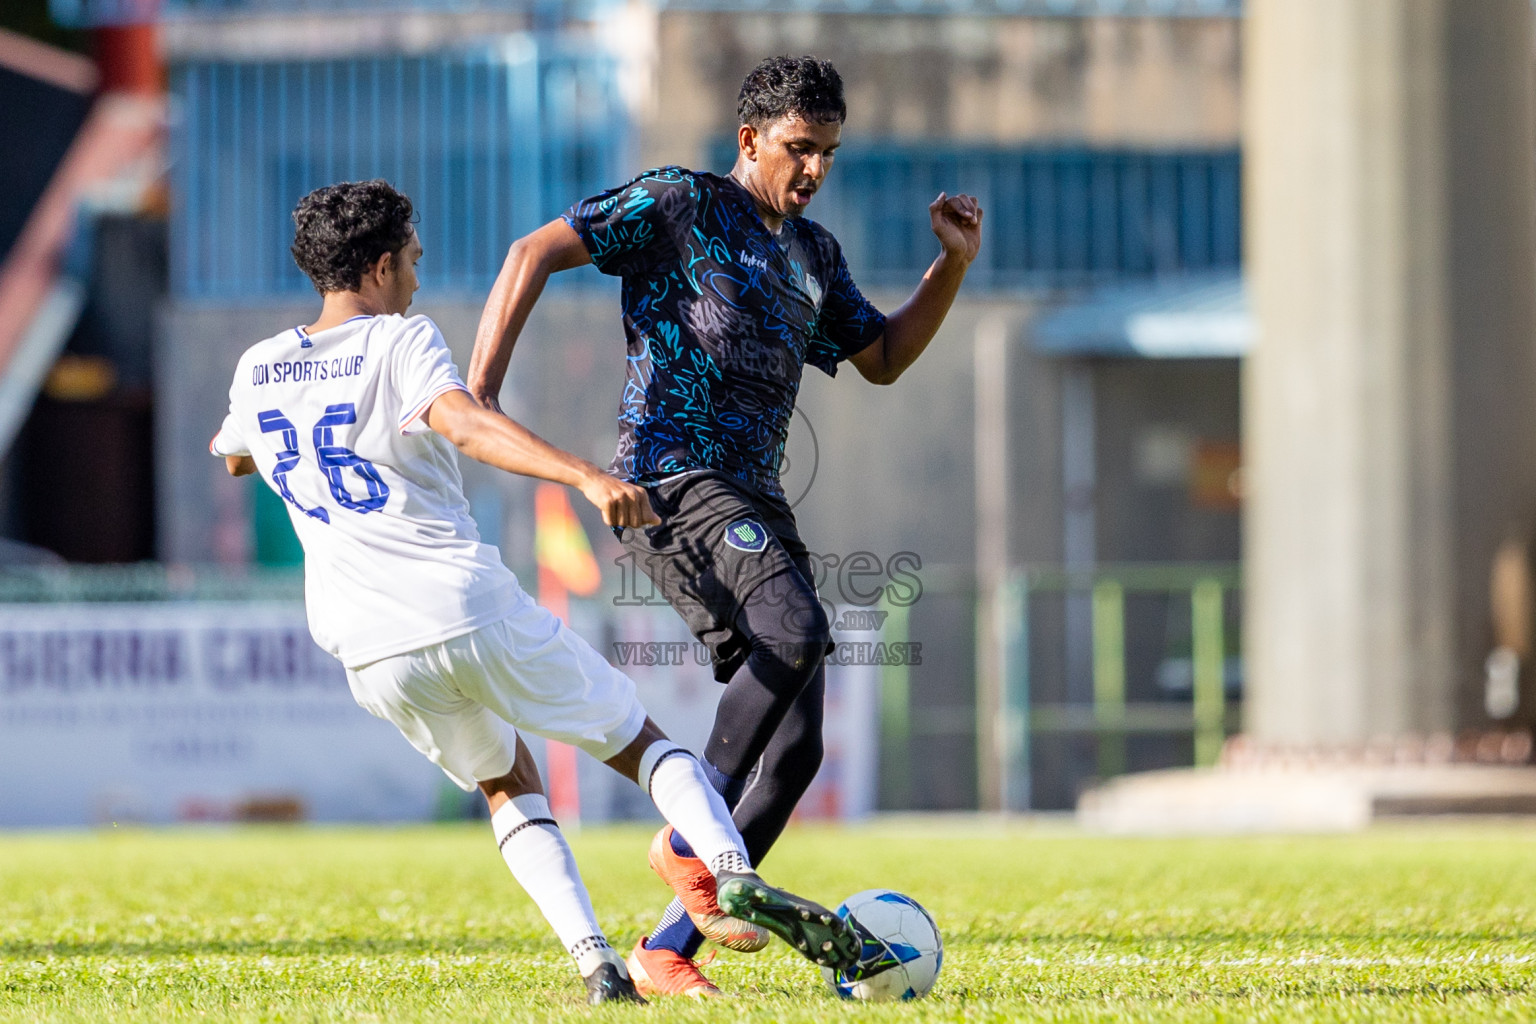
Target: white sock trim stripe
551	822
518	813
663	759
654	755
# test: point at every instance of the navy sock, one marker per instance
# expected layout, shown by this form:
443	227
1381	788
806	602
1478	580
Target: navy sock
730	791
676	932
680	845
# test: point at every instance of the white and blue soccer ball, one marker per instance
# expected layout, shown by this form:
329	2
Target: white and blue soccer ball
902	948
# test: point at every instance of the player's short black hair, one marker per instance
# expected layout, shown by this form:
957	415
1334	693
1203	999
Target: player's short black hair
784	85
341	230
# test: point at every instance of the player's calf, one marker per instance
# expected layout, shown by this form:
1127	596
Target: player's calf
540	859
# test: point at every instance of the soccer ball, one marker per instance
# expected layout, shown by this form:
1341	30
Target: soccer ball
902	948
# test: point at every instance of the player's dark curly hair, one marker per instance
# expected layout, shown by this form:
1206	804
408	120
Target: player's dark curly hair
341	230
779	86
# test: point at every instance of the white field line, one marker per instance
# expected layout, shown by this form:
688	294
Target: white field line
1300	960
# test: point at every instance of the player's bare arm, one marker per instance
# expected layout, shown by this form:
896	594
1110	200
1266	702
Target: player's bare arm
956	222
239	465
532	258
497	440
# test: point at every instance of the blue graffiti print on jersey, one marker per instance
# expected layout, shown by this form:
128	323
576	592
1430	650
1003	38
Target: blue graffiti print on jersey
720	318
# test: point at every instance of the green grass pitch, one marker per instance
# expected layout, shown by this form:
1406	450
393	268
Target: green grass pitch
1404	923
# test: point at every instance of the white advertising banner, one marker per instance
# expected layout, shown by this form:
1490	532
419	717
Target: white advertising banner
166	712
172	712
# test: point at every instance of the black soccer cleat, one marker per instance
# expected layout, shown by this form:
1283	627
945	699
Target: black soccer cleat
818	934
609	984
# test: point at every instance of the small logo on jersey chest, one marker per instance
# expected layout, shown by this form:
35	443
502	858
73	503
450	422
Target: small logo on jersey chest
748	260
813	289
746	535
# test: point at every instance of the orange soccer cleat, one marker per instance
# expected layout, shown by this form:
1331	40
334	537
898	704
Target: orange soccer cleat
662	972
695	887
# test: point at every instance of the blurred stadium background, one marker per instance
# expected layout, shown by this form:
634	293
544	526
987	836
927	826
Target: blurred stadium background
1226	459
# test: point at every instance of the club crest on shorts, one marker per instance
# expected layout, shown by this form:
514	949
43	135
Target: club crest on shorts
746	535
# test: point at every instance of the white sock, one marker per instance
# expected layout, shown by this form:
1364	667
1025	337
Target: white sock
685	798
542	863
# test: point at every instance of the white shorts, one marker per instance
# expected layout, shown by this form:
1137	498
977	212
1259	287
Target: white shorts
528	669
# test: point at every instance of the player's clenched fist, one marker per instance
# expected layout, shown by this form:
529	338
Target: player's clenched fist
622	503
956	221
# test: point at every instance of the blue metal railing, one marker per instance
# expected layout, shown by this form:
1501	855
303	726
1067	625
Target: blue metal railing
493	140
84	13
78	13
489	142
1061	217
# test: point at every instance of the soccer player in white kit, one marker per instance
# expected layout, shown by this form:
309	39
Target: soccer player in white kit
353	420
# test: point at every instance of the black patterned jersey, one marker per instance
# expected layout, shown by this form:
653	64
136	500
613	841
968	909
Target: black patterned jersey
720	317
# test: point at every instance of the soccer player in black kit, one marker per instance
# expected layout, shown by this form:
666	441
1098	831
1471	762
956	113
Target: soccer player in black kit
727	293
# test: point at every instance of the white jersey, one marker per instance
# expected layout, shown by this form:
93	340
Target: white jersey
336	422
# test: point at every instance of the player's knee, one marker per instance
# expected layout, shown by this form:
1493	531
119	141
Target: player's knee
801	640
807	620
795	659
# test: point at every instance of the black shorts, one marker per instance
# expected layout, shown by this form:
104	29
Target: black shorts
718	541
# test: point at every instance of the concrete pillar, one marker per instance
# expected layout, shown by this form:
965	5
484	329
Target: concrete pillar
990	363
1390	405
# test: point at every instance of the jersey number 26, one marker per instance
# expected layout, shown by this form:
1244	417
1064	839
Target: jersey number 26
333	459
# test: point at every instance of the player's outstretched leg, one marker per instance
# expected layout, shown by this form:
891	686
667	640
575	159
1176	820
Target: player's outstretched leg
534	848
820	935
787	632
444	699
676	783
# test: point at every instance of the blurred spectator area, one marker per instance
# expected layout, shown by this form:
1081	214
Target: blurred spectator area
47	96
83	268
84	460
